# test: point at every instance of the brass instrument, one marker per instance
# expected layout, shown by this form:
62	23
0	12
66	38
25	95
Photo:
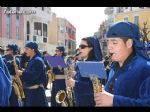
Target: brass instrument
97	86
69	89
61	98
17	83
51	76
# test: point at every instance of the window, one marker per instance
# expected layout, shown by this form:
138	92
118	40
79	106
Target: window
28	27
126	19
65	42
45	39
45	30
69	30
17	24
66	29
8	23
120	9
28	38
42	8
38	28
69	44
34	38
141	7
136	20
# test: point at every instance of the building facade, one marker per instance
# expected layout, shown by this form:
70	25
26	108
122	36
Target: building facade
101	33
36	26
66	35
53	34
11	26
137	15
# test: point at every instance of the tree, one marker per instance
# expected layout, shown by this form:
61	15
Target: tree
144	32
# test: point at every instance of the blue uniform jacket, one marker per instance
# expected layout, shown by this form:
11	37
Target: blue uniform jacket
57	85
5	84
34	72
132	86
10	64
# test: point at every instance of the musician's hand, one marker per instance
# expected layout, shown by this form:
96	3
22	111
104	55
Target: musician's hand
70	82
103	99
49	71
72	73
19	72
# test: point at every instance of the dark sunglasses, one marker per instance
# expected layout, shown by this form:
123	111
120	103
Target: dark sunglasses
83	46
57	50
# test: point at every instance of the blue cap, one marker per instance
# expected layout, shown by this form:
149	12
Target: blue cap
13	47
96	46
148	47
33	45
120	29
61	48
128	30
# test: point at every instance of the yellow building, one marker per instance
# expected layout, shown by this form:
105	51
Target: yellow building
137	15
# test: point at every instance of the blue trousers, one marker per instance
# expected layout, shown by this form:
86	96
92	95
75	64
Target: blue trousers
35	97
57	86
14	99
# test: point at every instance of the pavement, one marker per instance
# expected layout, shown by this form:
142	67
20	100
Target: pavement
48	93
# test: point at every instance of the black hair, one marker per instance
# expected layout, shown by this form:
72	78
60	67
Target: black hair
91	55
125	39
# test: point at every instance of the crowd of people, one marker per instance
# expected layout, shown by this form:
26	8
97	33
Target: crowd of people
24	77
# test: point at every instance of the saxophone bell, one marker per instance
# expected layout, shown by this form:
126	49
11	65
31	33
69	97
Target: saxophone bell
61	97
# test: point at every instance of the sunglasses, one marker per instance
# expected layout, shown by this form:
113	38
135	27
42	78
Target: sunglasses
57	50
83	46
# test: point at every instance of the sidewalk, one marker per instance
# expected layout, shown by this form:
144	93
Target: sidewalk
48	93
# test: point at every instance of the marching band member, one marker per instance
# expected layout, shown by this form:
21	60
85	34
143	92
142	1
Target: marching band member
33	77
5	84
2	51
129	79
90	50
11	52
59	81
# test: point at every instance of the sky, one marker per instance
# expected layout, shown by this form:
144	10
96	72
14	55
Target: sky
87	20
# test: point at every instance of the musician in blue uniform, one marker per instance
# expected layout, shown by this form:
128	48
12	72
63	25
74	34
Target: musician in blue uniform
148	49
5	84
129	79
2	51
59	80
33	77
11	52
90	50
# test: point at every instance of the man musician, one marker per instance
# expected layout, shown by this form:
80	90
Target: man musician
12	62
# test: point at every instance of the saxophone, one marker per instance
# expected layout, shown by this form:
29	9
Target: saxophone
69	90
16	81
66	98
97	86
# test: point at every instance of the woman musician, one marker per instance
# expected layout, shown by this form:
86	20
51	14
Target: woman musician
90	50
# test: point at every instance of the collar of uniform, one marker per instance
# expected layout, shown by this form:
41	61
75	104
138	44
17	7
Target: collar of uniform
33	57
128	60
